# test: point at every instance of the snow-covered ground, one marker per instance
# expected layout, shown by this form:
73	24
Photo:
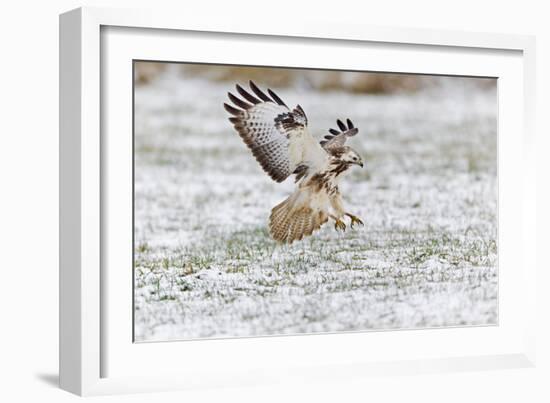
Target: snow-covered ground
205	265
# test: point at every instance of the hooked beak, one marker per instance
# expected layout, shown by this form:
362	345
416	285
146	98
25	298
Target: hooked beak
360	163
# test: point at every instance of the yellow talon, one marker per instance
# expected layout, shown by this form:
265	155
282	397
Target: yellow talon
354	220
339	224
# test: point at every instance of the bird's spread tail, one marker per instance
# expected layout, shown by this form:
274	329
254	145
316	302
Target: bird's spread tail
292	220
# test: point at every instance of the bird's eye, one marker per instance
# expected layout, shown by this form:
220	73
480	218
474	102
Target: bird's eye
355	158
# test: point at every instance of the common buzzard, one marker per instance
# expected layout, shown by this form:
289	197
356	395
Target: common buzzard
279	139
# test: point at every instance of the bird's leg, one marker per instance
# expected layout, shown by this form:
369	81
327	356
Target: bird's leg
354	220
338	224
338	210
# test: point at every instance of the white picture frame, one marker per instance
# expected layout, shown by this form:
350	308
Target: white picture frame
96	354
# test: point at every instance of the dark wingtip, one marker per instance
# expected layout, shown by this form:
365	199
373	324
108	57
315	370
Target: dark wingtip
239	102
341	125
350	124
334	131
259	93
276	98
246	95
231	110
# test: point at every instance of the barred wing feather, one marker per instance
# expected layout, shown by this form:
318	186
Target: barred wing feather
277	136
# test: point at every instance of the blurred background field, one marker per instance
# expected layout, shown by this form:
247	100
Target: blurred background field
205	265
320	80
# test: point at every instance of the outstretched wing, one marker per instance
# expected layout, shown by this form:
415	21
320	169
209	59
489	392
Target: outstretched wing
277	136
338	138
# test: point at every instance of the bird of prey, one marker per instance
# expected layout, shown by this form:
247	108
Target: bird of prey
279	139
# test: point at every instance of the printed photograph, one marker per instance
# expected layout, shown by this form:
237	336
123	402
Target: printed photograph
273	201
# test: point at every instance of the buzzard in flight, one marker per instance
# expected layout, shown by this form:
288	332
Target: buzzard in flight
279	139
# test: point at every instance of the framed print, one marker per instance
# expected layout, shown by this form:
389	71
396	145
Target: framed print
239	208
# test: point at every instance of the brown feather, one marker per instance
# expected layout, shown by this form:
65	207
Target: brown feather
239	102
289	223
276	98
232	110
263	153
259	92
246	95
